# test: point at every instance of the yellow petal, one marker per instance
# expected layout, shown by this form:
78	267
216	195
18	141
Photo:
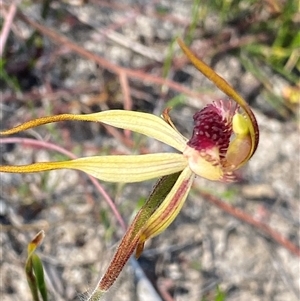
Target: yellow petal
143	123
237	152
124	169
209	169
240	147
240	125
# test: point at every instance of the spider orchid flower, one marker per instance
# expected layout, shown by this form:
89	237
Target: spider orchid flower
225	137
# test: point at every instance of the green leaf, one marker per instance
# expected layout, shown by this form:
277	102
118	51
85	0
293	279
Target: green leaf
39	274
220	296
34	269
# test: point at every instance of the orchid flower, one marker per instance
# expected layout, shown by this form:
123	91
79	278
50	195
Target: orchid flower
224	138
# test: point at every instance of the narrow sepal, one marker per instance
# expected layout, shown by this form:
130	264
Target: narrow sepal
126	168
143	123
168	210
131	238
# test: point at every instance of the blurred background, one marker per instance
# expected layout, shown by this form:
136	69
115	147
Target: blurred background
88	56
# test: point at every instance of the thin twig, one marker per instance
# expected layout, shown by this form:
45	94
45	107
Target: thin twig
135	74
248	219
126	91
127	97
51	146
6	26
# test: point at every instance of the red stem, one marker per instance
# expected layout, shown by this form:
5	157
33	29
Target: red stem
51	146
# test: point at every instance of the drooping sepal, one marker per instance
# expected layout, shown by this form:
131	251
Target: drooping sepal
131	239
168	210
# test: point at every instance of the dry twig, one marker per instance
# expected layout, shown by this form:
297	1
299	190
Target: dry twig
6	26
246	218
